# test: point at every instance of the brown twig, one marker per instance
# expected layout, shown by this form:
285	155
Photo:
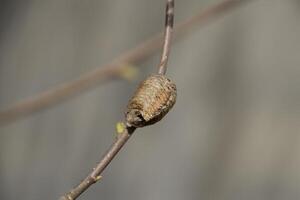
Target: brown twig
169	22
124	134
125	130
86	81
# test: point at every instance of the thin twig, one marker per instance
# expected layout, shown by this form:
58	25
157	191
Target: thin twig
123	129
95	175
162	68
106	72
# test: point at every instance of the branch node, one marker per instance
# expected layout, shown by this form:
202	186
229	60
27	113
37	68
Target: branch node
97	178
69	197
120	127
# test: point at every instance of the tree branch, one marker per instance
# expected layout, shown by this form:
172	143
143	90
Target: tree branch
124	133
106	72
169	22
125	130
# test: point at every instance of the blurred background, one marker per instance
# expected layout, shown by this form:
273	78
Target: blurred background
233	133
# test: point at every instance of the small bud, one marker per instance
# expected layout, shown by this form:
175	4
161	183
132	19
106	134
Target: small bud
120	127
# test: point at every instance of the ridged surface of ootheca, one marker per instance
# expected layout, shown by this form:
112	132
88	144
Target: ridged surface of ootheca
153	99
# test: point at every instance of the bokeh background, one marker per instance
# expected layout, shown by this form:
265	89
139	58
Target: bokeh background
232	135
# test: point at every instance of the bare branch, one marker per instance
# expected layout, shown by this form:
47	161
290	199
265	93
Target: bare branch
124	134
125	130
162	68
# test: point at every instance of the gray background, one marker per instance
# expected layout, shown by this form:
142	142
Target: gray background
233	133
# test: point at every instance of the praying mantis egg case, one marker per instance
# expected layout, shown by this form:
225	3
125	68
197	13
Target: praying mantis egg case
153	99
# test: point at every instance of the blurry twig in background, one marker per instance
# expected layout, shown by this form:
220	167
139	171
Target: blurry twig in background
114	69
